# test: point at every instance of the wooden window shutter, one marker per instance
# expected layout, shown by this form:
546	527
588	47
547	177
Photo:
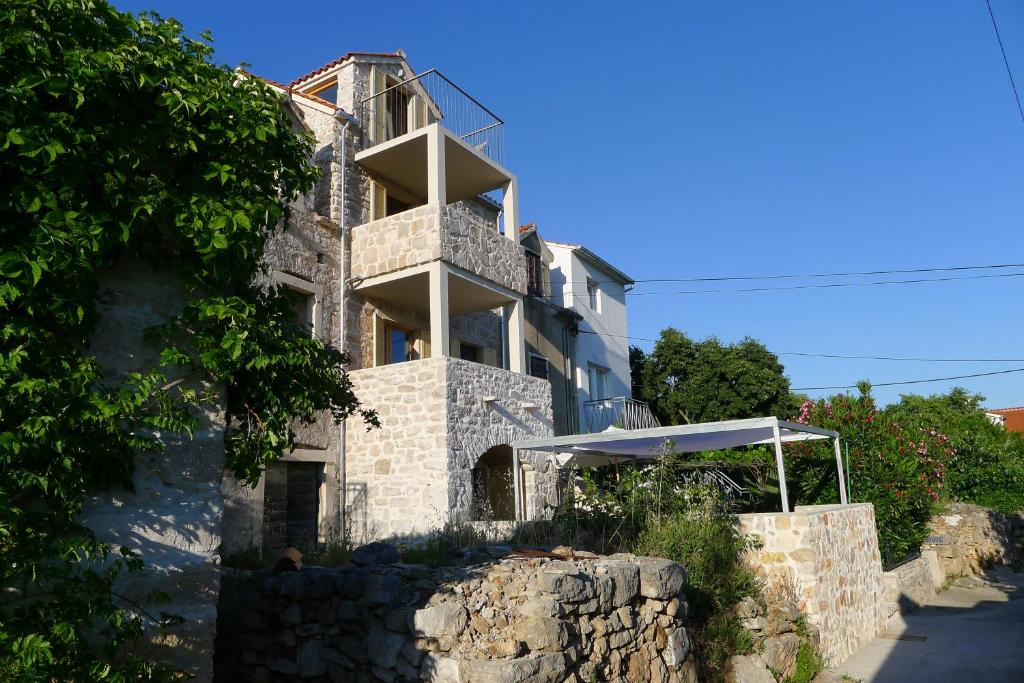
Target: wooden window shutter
425	344
419	113
378	108
454	347
490	357
378	201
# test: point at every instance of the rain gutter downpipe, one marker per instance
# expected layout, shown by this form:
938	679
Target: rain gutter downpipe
342	283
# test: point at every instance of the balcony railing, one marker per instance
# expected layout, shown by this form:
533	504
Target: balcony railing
619	412
429	98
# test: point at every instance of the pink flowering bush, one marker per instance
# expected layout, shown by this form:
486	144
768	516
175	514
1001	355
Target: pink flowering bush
898	468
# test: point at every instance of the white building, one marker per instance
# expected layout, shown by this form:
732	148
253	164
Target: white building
586	283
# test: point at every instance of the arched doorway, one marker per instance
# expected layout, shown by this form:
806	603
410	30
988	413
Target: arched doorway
493	498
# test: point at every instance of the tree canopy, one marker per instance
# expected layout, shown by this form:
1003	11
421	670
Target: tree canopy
120	138
687	381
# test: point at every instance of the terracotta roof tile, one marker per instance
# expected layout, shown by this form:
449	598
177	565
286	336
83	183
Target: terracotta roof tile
345	57
1014	418
290	90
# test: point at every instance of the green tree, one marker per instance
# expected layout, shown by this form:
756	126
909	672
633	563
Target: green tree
987	467
687	381
119	138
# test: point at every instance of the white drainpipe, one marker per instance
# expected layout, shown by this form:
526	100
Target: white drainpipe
342	280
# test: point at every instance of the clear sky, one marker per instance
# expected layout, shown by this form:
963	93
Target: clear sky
746	138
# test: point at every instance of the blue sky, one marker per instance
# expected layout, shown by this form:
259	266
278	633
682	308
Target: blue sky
716	139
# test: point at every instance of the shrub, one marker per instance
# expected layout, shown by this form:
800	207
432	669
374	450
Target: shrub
900	469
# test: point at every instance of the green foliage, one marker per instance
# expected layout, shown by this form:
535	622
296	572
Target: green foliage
987	467
808	664
122	140
900	469
686	381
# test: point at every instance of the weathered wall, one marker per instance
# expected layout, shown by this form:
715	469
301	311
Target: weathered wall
550	331
507	618
521	409
457	235
967	538
828	556
913	584
173	517
414	473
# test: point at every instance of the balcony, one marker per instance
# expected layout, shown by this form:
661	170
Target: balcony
453	234
435	144
618	412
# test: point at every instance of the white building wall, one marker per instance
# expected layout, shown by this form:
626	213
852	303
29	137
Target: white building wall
608	347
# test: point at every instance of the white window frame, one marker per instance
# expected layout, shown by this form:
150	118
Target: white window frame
594	370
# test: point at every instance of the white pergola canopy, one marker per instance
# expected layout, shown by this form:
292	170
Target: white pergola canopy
635	445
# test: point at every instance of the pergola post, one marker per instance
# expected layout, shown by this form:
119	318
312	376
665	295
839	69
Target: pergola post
516	478
781	467
839	468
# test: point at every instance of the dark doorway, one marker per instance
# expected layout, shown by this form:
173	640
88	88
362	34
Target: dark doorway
291	505
493	497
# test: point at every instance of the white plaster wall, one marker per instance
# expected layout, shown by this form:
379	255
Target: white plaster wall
609	348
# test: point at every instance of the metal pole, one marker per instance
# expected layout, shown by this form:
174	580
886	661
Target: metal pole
839	468
849	479
516	476
781	467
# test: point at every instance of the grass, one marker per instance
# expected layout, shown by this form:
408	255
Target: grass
808	664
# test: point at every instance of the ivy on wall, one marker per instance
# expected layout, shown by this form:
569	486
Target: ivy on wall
121	138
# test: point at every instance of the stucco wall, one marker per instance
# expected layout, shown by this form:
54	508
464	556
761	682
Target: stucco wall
172	518
828	556
424	234
414	473
602	341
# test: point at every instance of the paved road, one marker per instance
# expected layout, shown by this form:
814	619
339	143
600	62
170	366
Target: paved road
973	632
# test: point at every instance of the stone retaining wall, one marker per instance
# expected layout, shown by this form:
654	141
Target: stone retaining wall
968	537
827	556
914	584
501	617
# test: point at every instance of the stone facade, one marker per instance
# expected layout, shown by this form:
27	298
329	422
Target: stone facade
967	538
455	234
913	584
828	556
172	517
499	618
414	473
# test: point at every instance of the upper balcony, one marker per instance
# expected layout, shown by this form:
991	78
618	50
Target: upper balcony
619	412
430	142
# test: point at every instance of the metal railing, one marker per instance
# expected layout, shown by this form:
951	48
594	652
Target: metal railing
619	412
402	107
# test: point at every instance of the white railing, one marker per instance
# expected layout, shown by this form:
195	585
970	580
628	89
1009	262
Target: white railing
619	412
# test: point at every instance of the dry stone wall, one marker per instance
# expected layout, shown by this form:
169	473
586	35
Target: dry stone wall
500	617
828	557
967	538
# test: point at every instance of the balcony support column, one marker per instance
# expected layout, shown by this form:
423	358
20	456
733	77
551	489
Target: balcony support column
514	327
437	193
439	341
510	210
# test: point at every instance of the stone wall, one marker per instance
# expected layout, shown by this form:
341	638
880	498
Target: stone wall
967	538
913	584
499	618
457	235
414	473
172	518
828	557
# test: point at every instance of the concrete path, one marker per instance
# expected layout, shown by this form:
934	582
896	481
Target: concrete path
973	632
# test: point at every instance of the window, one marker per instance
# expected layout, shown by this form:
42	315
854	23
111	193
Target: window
399	344
328	92
469	352
598	379
593	296
306	300
534	273
538	366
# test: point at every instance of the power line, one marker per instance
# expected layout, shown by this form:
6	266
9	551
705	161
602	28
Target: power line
790	276
913	381
1006	61
830	285
834	355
